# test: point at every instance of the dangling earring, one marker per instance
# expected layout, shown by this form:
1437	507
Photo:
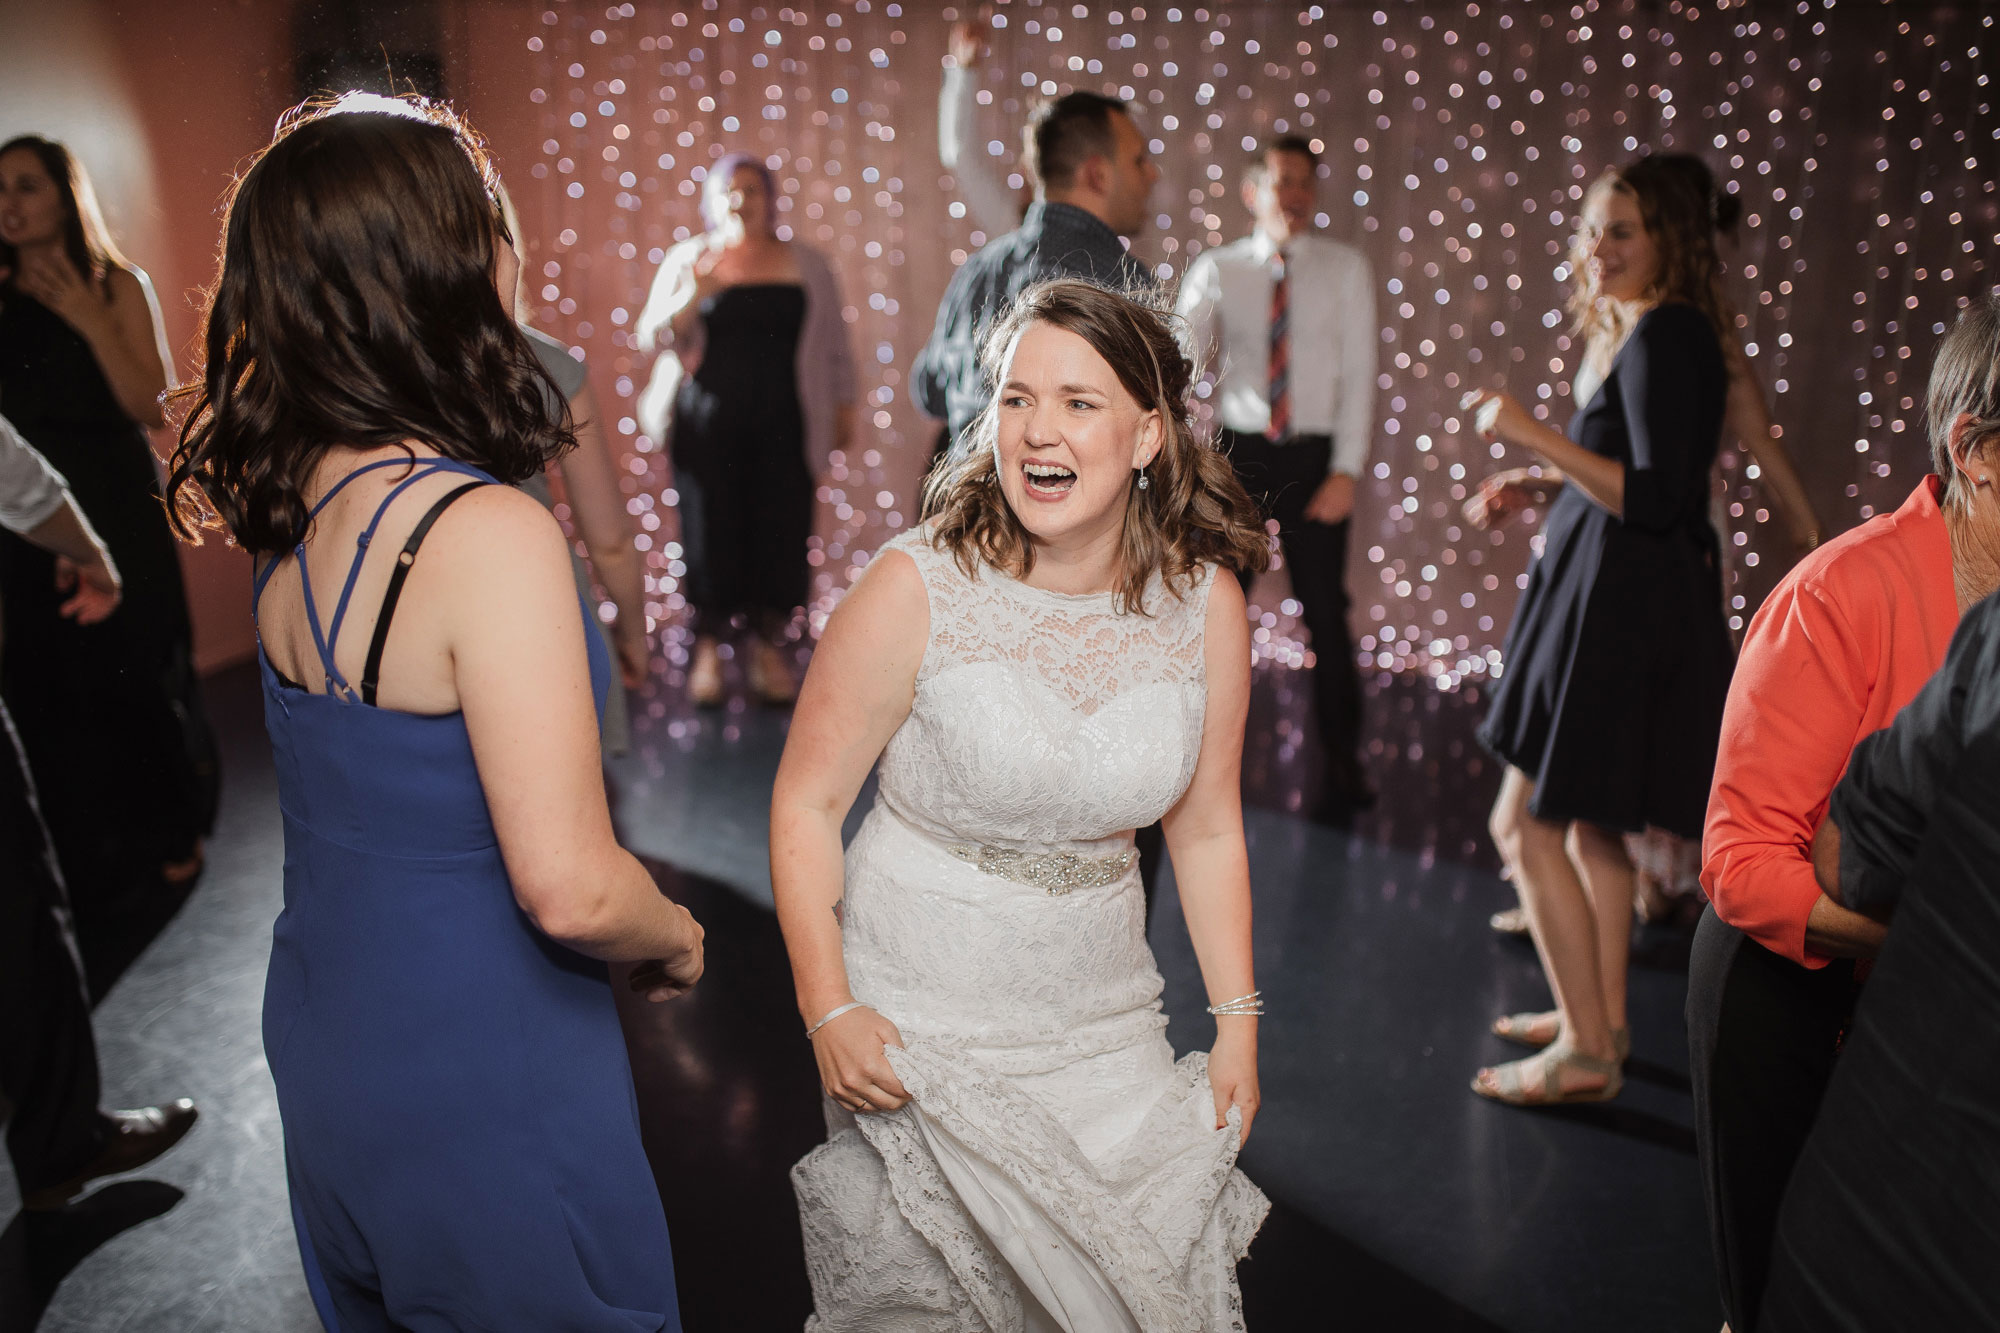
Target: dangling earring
1144	480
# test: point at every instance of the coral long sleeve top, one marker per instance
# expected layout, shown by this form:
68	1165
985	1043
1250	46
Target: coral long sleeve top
1839	647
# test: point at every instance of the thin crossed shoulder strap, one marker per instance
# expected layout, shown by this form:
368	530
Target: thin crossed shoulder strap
325	639
371	673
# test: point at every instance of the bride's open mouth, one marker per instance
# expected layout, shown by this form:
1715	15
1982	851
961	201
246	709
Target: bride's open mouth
1047	481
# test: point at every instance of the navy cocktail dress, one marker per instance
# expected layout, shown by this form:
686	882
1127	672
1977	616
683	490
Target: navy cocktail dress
1618	660
461	1133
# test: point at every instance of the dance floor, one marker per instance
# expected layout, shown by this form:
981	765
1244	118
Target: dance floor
1400	1199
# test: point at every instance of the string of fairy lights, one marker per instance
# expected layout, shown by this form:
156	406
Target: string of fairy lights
1860	137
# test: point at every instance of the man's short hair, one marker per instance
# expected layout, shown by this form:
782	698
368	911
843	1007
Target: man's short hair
1065	132
1259	167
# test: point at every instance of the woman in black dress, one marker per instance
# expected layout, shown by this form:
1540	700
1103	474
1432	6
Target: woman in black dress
110	714
765	394
1617	663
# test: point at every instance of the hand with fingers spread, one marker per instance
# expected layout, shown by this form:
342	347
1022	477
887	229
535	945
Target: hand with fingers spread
853	1064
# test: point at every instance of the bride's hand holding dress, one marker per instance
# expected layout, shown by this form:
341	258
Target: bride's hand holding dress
1204	832
857	694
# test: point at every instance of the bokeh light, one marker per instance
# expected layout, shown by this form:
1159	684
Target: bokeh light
1861	139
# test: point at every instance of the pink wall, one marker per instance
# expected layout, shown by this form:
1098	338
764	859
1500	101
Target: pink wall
162	102
208	80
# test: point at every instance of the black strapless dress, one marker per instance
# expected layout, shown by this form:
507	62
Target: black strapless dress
110	714
746	494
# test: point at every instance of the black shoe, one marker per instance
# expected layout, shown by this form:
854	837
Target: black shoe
135	1138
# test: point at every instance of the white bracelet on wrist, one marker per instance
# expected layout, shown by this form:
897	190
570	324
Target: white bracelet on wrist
1243	1006
833	1014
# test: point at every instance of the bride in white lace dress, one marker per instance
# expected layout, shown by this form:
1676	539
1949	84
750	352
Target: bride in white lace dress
1050	662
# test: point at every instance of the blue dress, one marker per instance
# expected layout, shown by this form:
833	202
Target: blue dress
461	1132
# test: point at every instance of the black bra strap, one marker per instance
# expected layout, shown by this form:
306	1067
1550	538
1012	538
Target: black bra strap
373	670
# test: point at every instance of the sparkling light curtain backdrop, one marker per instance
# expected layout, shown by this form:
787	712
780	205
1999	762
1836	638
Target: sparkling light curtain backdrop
1860	137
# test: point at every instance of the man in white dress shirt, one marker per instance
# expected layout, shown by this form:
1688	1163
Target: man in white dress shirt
1285	321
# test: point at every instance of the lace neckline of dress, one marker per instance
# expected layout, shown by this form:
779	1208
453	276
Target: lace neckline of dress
1105	600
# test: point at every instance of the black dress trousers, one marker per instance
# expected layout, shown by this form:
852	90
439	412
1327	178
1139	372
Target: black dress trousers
48	1057
1281	478
1763	1033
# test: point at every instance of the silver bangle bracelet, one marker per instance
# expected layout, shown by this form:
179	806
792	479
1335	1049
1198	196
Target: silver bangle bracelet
833	1014
1245	1006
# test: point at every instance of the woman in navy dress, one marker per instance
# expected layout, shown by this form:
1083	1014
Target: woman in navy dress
461	1134
1617	664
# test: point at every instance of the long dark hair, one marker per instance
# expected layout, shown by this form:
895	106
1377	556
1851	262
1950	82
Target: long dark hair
355	306
86	240
1194	511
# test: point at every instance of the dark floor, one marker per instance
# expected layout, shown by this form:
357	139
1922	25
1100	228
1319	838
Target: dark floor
1400	1199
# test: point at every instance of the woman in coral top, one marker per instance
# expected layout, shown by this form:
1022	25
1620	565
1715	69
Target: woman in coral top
1841	645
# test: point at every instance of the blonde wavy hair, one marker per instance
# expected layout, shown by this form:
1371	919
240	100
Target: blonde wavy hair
1193	512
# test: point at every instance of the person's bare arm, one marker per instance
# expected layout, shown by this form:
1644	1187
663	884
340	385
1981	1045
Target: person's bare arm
1748	416
993	206
590	484
515	636
1204	833
1498	416
856	694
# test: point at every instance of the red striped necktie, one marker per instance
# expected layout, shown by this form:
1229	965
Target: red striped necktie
1281	351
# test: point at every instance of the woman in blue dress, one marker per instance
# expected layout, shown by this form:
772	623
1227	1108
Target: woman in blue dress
461	1134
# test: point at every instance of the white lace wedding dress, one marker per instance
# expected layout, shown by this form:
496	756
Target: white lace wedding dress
1057	1170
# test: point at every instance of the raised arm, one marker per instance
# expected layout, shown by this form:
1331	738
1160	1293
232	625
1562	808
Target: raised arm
515	635
987	197
1881	810
857	692
1211	867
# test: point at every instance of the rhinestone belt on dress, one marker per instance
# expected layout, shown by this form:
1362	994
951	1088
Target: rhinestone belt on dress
1054	873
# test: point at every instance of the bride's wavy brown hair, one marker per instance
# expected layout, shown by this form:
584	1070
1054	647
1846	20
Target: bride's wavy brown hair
1193	511
355	306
